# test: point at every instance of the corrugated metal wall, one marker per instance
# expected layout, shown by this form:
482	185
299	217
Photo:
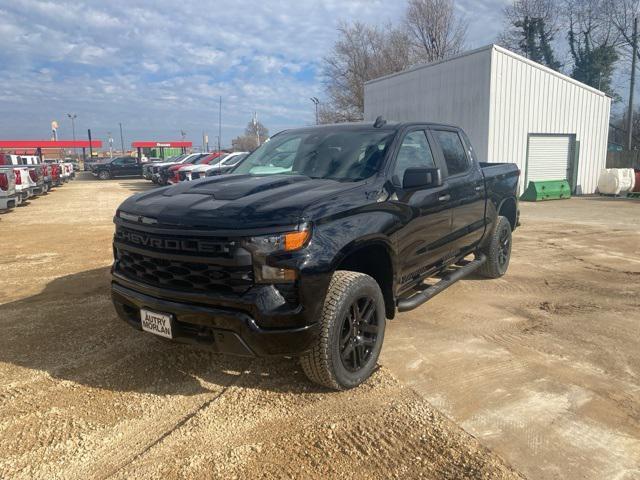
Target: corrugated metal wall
529	98
499	98
454	91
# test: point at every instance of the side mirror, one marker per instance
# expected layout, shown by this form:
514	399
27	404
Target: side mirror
421	178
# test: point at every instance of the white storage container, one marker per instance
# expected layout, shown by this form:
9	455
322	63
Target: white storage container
614	181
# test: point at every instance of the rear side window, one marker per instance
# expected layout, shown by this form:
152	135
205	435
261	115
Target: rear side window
453	151
414	153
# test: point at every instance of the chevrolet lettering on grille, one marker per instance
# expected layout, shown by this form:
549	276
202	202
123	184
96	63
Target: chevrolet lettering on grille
179	245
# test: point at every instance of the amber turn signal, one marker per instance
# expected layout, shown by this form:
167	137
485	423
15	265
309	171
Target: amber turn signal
296	240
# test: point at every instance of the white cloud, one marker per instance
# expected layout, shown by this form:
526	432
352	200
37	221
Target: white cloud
160	66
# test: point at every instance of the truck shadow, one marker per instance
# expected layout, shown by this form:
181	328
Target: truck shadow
138	185
71	331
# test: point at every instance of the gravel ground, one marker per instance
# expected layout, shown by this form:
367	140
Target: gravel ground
84	396
542	365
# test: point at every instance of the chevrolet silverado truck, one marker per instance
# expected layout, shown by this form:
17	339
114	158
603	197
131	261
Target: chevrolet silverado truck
313	242
117	167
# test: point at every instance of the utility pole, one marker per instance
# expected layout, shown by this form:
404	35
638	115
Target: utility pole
316	102
632	84
220	124
90	145
121	138
73	127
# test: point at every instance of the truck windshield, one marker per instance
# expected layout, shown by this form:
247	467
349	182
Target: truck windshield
343	155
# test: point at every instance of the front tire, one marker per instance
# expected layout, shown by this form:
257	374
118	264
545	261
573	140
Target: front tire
352	331
104	175
498	250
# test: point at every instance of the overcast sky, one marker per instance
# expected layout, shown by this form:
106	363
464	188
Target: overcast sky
159	66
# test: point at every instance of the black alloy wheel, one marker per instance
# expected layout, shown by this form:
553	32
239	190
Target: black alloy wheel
358	334
504	248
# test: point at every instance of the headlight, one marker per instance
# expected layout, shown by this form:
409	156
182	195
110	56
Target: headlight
285	242
260	247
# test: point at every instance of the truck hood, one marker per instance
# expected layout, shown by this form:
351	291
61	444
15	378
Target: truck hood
235	202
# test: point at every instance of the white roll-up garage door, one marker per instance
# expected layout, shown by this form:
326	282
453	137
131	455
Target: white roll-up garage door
548	157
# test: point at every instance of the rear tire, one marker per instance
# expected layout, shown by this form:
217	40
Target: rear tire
104	175
498	250
352	329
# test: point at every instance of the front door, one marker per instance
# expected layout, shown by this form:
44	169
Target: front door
422	239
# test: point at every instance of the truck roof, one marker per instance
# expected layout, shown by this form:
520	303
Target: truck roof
390	125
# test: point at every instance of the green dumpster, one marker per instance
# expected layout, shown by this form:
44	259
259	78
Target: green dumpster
538	191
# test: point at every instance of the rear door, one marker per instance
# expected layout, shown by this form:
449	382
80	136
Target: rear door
465	187
422	239
131	167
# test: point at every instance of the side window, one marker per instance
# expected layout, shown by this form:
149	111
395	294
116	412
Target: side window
453	151
414	152
130	161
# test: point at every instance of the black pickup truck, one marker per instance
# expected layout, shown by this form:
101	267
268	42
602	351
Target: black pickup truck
316	239
117	167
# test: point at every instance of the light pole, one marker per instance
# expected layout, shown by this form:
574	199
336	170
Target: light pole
220	123
316	102
73	117
110	145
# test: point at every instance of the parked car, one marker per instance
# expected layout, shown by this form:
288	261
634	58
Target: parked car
222	164
56	171
43	171
155	169
118	167
173	172
147	167
8	195
35	179
163	173
25	184
227	165
75	166
317	237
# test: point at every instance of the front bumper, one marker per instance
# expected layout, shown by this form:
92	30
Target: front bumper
222	329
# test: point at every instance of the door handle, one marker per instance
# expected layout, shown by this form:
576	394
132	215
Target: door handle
444	198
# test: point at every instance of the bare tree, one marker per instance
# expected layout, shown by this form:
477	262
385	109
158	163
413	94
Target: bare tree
434	29
361	53
527	22
593	42
249	141
622	13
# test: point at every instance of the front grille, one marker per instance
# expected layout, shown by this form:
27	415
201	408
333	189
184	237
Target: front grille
182	275
180	262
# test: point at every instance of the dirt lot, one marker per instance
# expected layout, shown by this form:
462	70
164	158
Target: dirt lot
543	365
84	396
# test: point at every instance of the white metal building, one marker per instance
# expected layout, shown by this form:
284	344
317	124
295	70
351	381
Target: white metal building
513	109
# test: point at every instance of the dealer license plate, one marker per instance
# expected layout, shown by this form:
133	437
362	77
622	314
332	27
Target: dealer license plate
156	323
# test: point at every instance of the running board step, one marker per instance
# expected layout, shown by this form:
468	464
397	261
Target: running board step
449	279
